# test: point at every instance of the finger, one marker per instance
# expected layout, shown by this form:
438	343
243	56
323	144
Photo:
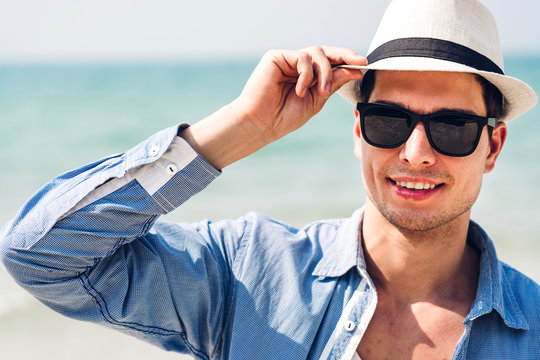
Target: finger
342	76
338	56
323	70
304	68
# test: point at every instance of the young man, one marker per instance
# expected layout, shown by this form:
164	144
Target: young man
407	276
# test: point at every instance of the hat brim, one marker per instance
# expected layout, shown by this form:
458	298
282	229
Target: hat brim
518	96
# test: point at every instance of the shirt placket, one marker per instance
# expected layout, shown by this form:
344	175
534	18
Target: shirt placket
353	323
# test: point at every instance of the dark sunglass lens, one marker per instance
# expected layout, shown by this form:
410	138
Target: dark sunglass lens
454	134
386	127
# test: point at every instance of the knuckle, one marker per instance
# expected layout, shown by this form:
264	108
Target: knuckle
304	55
304	60
313	49
272	53
318	49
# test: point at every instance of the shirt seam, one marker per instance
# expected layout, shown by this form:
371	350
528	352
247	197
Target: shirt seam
233	284
242	245
146	329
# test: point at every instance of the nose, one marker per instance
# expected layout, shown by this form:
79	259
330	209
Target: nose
417	152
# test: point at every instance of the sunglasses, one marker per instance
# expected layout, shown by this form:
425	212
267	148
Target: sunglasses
450	133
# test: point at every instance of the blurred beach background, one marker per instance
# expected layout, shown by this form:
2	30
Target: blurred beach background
70	103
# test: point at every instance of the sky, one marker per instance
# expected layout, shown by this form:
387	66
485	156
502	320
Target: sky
119	30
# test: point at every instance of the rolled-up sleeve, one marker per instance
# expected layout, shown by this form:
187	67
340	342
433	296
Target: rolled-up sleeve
88	245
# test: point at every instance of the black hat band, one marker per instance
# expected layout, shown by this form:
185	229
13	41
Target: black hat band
436	49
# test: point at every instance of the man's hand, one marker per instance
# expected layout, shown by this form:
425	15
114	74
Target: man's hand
286	89
289	87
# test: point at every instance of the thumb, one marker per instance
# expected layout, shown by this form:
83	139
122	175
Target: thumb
341	76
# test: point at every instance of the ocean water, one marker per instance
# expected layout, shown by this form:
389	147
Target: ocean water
57	117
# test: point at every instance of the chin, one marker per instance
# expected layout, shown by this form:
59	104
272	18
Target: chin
421	221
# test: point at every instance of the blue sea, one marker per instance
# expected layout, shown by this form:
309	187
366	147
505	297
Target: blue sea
56	117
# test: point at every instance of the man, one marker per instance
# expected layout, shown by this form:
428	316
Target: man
407	276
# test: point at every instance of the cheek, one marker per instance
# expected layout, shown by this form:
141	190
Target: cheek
368	179
373	161
469	173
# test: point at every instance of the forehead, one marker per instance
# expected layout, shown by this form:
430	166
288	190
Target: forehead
429	91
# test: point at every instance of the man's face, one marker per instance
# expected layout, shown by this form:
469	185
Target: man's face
457	180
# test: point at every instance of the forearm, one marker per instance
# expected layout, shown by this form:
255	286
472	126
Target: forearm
226	136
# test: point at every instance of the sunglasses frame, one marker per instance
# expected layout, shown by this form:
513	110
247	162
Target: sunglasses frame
425	119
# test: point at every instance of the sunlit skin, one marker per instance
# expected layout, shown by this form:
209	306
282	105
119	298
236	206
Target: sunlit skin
415	240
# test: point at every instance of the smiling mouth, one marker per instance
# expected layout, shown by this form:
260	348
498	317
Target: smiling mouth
415	185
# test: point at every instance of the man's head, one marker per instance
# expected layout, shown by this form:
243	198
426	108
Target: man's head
431	56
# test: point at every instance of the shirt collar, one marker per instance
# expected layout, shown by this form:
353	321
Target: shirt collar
344	251
494	288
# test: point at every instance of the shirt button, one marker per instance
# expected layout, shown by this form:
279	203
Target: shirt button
350	325
154	150
171	169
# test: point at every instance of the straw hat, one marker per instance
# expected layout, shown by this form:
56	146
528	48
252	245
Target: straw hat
443	35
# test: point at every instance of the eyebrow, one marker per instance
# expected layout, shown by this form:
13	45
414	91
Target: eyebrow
436	110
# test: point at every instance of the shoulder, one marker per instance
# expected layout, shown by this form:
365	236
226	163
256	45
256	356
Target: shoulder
522	286
262	227
520	281
526	293
251	229
269	242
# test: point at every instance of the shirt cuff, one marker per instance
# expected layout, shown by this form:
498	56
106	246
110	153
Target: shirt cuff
177	170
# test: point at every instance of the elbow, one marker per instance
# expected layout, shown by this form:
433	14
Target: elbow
8	255
30	268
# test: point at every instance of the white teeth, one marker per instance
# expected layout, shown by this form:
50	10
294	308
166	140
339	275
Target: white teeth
415	186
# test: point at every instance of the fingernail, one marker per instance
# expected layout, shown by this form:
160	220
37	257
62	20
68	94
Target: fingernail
328	88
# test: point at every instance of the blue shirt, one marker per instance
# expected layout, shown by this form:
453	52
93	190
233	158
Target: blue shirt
89	246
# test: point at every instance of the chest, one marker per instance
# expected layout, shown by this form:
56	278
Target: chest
418	331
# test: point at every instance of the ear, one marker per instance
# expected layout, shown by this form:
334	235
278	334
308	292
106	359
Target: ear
495	146
357	135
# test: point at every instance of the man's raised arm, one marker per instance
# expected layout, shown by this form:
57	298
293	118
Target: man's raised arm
87	244
287	88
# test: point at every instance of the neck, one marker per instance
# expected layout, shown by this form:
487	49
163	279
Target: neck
413	266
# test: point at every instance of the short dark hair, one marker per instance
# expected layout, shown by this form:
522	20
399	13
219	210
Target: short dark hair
493	98
364	88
